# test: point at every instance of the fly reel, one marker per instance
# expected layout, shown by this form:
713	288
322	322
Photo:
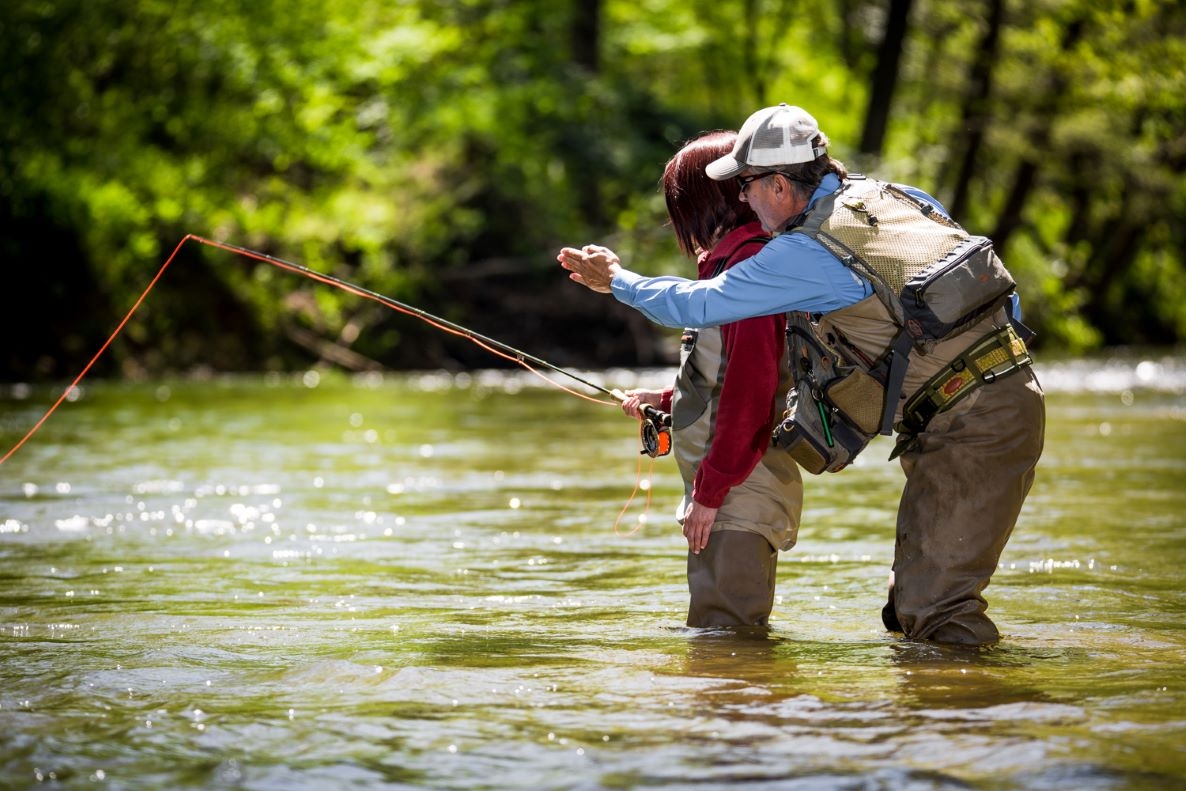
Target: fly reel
655	432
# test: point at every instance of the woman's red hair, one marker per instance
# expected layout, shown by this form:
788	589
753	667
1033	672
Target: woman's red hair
701	210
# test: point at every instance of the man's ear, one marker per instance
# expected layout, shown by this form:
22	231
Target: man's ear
782	185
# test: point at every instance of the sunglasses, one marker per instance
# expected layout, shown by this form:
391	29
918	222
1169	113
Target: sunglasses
745	181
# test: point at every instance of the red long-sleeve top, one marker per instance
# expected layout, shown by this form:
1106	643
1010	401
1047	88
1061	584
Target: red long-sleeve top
753	350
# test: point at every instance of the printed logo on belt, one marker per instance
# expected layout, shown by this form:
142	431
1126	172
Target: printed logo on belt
956	383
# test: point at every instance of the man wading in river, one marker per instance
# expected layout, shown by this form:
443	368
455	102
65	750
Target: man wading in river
971	414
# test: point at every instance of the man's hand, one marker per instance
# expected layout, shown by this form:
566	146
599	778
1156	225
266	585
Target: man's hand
593	266
698	521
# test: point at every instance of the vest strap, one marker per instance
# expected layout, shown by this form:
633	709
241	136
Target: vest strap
899	358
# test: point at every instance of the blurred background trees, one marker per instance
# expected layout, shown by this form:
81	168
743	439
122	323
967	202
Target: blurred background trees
441	151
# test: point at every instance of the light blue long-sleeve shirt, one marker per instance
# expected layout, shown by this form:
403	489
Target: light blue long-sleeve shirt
792	272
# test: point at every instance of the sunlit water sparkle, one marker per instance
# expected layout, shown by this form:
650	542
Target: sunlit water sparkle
415	582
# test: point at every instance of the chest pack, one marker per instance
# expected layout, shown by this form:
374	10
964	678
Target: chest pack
933	277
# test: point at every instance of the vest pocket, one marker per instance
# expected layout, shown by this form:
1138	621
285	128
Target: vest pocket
860	398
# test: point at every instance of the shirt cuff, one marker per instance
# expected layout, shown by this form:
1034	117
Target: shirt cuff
710	494
624	285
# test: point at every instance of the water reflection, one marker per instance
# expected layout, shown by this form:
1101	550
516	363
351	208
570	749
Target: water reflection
932	677
395	583
744	653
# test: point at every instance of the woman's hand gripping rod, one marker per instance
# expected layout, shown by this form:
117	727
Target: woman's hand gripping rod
654	428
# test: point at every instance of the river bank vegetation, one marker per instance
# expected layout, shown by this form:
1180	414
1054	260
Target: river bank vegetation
440	153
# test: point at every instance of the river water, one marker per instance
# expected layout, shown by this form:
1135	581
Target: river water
451	582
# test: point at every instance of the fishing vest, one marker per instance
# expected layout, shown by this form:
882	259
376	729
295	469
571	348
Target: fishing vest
935	286
935	279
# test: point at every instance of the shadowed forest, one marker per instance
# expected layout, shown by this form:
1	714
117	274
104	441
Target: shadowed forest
440	153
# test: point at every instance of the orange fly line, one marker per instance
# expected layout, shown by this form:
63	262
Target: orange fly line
505	352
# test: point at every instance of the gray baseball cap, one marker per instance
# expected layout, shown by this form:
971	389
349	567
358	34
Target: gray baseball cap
771	137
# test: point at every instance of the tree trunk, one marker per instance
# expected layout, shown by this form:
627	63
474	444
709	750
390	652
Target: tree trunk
1026	177
585	39
975	113
585	54
885	79
1116	247
1009	220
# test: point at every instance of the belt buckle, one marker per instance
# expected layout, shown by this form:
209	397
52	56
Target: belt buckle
1014	347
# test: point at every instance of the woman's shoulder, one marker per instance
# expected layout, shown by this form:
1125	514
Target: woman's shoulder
740	243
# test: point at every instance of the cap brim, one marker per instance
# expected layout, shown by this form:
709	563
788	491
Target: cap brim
724	168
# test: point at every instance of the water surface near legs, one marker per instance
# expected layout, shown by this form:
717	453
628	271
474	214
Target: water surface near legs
400	583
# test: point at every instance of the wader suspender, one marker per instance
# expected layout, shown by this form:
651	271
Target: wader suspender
894	361
899	355
690	334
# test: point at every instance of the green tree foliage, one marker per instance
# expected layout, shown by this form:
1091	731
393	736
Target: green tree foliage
440	152
1076	159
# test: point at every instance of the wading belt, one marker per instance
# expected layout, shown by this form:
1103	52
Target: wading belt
995	356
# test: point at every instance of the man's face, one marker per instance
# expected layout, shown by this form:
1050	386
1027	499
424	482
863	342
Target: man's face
771	197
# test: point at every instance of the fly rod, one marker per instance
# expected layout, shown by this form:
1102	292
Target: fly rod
456	329
655	425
